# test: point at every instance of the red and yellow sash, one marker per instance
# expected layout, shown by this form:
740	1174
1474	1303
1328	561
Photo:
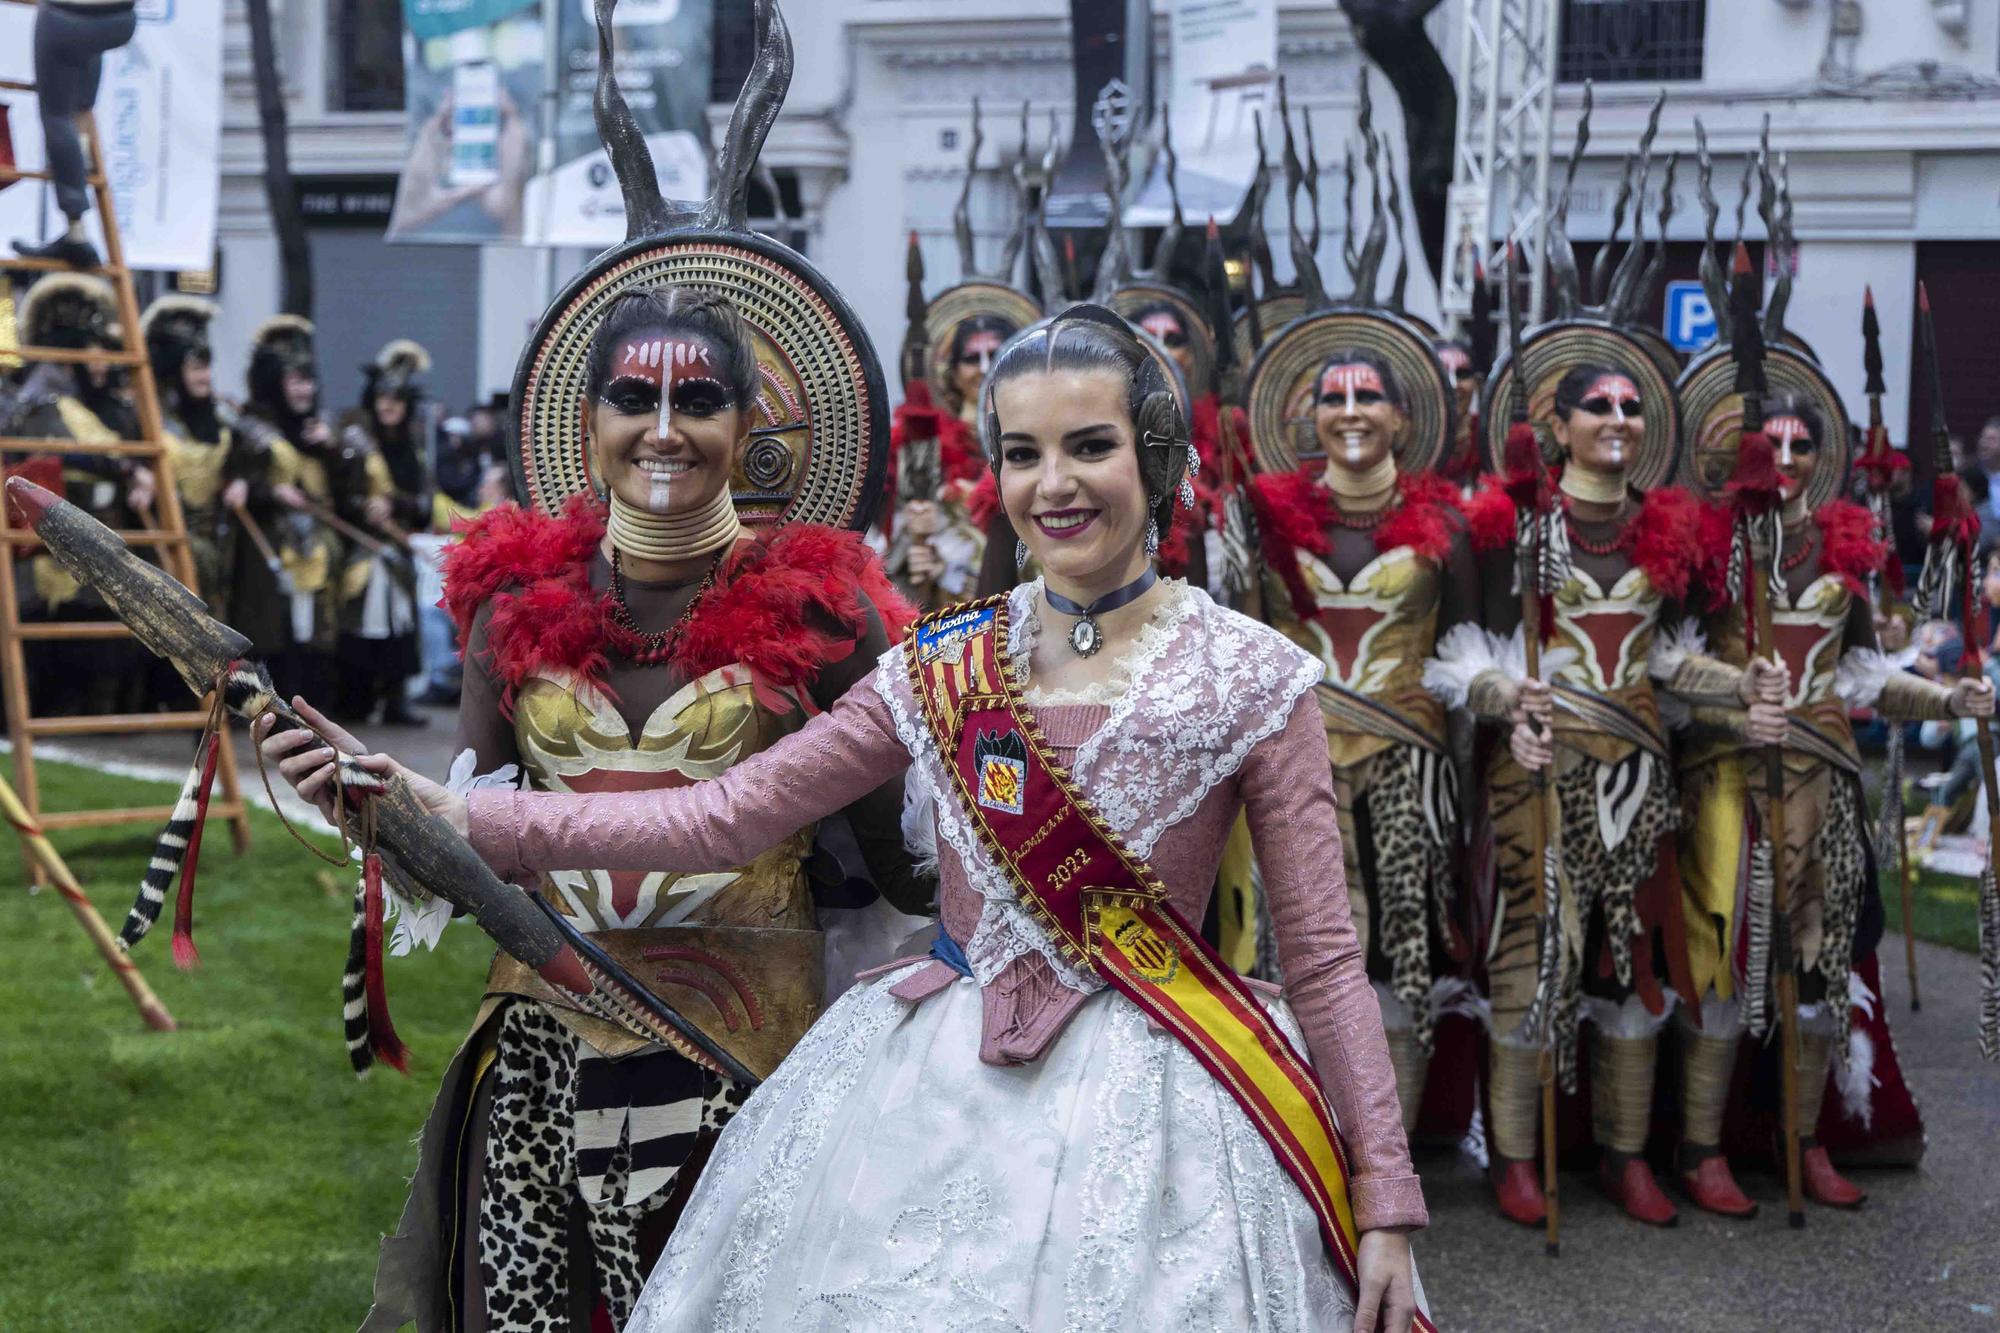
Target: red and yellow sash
1106	909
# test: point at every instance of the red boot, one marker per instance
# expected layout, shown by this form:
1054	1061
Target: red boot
1632	1185
1711	1187
1518	1192
1824	1185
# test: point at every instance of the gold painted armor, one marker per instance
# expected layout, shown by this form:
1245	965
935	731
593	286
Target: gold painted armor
737	952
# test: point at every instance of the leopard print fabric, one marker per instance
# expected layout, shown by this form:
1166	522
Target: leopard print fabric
528	1184
1412	870
1843	856
1605	878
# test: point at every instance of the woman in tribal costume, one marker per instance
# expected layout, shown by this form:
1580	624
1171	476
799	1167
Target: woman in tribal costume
1624	551
1824	632
994	1134
224	478
378	626
668	609
1367	564
281	419
90	404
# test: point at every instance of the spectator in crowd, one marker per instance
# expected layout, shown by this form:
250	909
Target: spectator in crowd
71	37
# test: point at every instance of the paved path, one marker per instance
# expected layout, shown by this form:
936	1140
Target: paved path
1924	1253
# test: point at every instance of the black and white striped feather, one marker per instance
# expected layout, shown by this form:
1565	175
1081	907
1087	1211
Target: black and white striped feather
1989	966
1757	966
353	986
169	853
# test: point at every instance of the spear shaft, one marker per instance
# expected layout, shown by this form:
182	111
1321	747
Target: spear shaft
1530	579
1876	468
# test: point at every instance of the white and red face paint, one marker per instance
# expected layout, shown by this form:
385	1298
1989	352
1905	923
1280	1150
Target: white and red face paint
1790	440
1455	360
1347	382
1165	327
1619	398
979	349
668	364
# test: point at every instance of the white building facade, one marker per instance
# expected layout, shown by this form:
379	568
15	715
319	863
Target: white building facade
1888	110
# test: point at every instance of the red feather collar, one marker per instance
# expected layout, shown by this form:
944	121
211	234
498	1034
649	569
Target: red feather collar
1849	545
1665	538
1294	512
785	606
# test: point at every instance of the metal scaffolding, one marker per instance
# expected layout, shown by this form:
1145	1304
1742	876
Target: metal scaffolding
1500	180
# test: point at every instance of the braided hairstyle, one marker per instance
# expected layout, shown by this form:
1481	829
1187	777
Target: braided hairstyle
690	312
1088	337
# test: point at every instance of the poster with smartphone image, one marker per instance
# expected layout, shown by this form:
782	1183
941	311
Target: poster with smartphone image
473	79
664	49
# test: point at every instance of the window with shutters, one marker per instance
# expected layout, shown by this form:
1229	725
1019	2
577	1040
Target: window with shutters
1631	41
735	45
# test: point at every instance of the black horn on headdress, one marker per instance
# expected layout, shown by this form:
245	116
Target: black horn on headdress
1560	256
961	213
1713	284
1368	255
727	207
1304	263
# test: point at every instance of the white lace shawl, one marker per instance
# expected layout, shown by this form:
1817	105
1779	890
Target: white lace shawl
1206	686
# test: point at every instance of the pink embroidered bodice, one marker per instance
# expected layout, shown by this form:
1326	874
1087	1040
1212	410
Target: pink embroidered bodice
1218	716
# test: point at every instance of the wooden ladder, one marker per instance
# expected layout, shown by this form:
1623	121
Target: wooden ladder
168	538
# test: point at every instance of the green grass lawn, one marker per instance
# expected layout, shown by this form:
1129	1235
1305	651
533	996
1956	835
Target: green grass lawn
1944	909
234	1174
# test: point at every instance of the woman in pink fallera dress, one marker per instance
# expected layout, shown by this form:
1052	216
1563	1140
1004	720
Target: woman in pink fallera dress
988	1137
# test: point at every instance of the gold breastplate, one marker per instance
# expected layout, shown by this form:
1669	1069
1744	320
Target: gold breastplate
197	468
573	740
1372	635
1810	633
1610	634
737	952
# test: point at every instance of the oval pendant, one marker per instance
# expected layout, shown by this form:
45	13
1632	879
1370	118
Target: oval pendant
1085	638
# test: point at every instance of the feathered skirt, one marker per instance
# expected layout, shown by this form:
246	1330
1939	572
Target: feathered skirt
886	1179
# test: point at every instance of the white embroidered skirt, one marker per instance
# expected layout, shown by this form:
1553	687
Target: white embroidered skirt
885	1179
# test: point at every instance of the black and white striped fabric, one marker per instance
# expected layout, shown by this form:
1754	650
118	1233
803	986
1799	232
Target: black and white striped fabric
655	1103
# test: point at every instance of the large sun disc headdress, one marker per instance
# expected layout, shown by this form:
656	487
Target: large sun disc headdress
819	423
1282	388
1601	325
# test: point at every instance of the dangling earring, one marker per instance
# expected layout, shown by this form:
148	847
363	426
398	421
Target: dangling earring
1152	537
1187	492
1020	556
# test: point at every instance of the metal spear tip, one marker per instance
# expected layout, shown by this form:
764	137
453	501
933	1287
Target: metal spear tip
1923	298
1739	263
1868	295
1214	232
28	502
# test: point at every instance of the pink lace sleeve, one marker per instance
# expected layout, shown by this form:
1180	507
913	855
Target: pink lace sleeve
850	749
1288	791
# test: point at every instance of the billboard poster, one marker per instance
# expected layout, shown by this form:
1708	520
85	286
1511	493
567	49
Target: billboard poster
473	73
663	58
1225	62
504	149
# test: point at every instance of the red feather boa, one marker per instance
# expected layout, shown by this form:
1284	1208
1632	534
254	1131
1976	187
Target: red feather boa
1294	511
784	605
1849	544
